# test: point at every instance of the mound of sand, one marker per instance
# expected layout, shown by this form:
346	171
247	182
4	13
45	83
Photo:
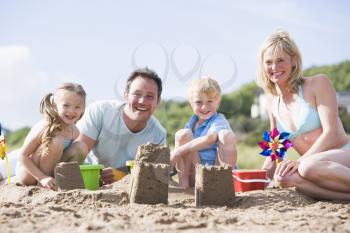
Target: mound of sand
34	209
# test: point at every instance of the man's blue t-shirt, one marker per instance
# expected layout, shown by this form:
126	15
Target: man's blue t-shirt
114	143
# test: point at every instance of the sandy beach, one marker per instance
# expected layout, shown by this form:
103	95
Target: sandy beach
34	209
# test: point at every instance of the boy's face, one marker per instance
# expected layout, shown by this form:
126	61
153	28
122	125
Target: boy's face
204	105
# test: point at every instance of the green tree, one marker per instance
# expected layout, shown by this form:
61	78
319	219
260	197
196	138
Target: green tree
339	74
16	138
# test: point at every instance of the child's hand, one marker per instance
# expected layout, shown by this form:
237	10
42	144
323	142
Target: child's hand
174	155
48	182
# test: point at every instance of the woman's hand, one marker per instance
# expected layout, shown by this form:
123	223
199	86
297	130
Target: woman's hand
287	168
48	182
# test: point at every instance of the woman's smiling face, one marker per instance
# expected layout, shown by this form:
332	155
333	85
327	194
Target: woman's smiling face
278	66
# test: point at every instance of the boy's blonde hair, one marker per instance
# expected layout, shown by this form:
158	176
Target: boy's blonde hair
204	85
279	41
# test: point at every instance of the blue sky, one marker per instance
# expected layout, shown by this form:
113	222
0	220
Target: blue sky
98	43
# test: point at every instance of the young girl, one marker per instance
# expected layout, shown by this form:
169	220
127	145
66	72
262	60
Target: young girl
307	109
43	147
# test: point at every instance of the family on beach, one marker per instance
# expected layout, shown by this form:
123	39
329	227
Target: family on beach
305	107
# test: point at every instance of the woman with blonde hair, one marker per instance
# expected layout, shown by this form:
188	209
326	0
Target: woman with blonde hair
305	107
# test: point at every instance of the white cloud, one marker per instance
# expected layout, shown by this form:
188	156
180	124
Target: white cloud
22	86
13	55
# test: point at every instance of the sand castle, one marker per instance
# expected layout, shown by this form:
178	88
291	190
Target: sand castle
214	186
153	153
68	176
150	178
149	183
150	175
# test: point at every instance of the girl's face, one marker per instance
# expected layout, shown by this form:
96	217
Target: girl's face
204	106
278	67
70	106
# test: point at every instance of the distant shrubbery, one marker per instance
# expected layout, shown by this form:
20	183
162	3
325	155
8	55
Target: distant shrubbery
235	106
16	138
339	74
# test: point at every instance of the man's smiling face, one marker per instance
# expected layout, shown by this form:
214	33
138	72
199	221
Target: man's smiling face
141	100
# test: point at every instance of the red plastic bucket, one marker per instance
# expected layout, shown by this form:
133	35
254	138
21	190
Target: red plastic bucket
249	179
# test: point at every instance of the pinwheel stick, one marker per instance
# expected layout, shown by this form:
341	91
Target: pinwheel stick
3	155
8	169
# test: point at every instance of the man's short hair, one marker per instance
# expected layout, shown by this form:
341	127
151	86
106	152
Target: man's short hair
145	73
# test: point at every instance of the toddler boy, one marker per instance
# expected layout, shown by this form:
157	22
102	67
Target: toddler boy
207	138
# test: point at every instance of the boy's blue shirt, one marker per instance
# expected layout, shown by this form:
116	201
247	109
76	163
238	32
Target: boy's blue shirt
215	123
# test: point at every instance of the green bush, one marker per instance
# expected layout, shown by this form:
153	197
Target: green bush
235	106
345	119
16	138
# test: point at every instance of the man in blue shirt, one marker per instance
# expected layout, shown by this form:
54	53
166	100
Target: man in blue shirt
112	131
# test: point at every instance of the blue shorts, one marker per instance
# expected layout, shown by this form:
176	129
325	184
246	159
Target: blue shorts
212	162
207	162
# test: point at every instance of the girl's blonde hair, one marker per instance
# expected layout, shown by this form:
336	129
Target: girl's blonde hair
204	85
49	110
279	41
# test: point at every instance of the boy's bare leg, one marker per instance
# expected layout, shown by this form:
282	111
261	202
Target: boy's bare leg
183	167
184	163
227	152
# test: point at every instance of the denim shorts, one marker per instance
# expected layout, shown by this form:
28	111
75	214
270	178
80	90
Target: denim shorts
212	162
207	162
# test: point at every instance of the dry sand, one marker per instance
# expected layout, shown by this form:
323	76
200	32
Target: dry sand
34	209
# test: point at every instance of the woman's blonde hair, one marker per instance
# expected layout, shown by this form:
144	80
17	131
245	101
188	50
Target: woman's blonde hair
204	85
49	110
279	41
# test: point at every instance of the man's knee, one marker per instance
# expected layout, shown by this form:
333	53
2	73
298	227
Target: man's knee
183	136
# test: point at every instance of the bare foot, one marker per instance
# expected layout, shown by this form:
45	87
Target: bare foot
175	184
286	181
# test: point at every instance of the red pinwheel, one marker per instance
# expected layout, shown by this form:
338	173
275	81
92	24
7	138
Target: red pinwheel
275	144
